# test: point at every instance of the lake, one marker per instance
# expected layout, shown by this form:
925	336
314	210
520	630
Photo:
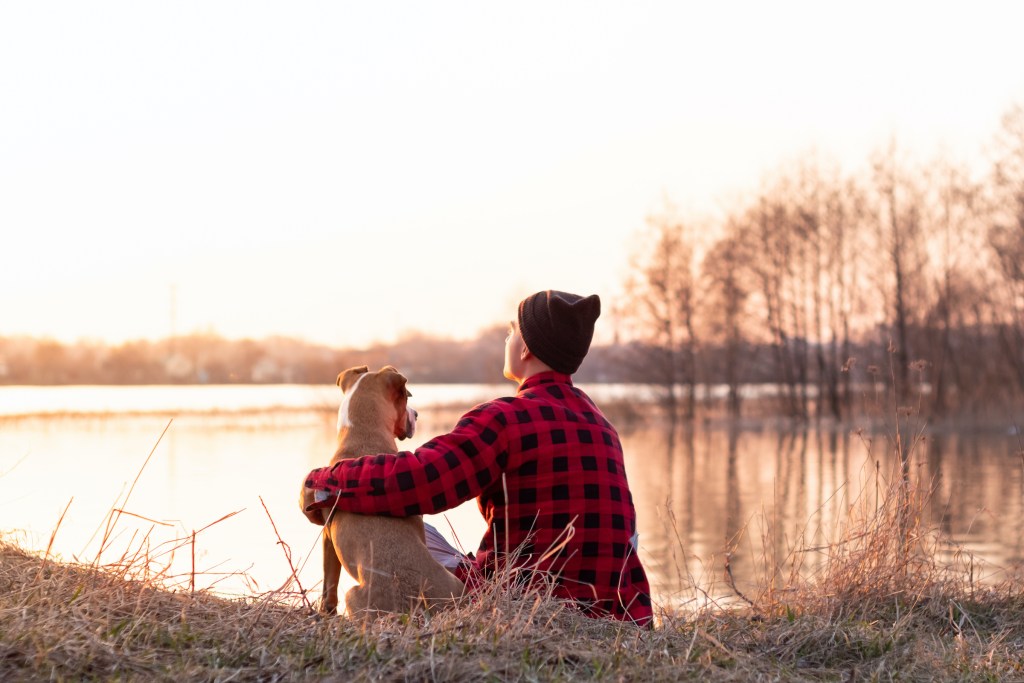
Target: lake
215	505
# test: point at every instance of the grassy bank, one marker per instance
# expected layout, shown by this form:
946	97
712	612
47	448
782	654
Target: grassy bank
64	622
881	609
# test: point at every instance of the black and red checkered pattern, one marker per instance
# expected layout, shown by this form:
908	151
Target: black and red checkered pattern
548	471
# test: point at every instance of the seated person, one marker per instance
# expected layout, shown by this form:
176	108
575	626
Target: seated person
545	465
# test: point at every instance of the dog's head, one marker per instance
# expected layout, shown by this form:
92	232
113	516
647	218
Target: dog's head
376	398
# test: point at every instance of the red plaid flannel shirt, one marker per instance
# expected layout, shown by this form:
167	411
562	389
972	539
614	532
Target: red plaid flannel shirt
547	469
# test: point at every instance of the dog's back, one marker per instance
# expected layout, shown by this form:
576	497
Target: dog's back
386	555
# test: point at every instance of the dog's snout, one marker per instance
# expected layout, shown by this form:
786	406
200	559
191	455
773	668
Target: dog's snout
415	413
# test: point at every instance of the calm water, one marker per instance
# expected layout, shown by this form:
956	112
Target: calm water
230	451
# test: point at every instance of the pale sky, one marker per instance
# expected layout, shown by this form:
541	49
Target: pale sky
347	172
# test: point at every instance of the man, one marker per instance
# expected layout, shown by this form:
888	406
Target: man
546	467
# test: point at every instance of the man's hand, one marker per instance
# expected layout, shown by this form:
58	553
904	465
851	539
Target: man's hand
314	501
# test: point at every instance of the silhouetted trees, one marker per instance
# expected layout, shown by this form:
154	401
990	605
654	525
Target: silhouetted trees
209	359
1006	237
662	310
726	292
906	273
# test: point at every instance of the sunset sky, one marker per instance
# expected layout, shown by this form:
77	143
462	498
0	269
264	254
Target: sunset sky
348	172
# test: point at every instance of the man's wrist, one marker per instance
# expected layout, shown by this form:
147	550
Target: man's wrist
320	491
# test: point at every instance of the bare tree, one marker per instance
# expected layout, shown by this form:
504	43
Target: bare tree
1006	237
826	215
841	289
726	291
955	246
899	206
768	228
662	308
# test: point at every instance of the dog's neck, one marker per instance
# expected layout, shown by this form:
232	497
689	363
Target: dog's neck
353	442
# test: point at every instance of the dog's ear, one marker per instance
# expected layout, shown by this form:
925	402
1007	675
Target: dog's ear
396	382
348	377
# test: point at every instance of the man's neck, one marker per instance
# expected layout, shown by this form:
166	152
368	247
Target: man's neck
533	367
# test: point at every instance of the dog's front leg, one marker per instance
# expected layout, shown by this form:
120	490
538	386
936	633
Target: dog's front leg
332	573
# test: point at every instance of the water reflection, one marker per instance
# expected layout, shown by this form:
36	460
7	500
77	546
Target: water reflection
769	501
702	495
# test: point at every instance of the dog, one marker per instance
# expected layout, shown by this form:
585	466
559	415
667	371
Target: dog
388	556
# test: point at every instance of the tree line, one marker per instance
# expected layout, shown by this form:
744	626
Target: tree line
907	274
211	359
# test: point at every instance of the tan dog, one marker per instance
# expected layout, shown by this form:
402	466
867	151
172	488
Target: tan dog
388	556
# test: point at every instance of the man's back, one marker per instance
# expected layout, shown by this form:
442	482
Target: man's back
562	506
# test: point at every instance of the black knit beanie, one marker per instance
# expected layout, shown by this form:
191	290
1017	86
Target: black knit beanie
558	327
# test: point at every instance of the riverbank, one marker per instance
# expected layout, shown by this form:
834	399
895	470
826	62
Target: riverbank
873	616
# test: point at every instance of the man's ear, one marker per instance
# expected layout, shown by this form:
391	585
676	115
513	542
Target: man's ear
348	377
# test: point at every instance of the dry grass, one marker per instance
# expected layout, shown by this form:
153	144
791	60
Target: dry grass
880	609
